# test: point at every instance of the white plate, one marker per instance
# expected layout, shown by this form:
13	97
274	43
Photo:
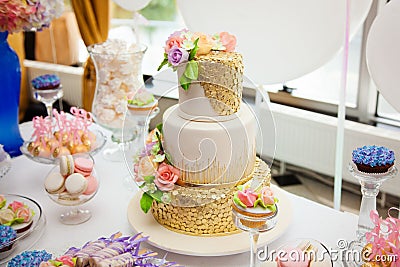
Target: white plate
165	239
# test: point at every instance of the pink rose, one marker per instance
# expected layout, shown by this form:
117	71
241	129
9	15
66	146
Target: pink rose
66	260
205	43
248	197
228	40
166	177
15	205
267	196
173	41
24	213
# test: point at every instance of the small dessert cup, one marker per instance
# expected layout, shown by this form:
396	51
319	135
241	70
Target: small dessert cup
62	197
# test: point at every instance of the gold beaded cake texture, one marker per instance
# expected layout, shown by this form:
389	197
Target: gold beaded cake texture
221	76
203	211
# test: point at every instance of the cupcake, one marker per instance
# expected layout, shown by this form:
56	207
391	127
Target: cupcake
256	205
23	216
46	82
142	103
7	236
29	259
373	159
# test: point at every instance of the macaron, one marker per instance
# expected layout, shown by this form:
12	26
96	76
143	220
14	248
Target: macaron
92	185
66	165
83	166
76	184
54	183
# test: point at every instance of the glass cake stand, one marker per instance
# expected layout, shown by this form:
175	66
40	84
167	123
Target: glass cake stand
370	185
254	226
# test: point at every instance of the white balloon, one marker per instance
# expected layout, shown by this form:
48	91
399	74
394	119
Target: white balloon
280	40
383	53
132	5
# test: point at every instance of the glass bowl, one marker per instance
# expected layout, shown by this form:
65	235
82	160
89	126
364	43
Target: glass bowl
100	142
75	215
24	230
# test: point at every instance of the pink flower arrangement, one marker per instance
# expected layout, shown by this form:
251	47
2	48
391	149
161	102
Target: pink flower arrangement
18	15
154	171
183	46
247	197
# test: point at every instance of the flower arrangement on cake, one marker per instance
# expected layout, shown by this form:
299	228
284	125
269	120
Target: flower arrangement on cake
182	47
154	172
383	242
17	15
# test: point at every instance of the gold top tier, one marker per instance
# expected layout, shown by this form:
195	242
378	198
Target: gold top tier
221	76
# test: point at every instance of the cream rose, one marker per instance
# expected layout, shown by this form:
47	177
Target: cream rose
166	177
146	166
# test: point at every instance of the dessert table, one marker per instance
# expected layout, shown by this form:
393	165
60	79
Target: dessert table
109	212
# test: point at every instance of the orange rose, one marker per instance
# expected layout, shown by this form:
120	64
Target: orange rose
171	42
166	177
228	40
204	43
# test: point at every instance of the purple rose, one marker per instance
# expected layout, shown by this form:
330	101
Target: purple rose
177	56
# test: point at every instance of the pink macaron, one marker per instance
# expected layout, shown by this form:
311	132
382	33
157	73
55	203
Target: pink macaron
91	186
83	166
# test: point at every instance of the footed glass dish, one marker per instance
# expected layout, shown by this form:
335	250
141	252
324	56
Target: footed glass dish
254	226
75	215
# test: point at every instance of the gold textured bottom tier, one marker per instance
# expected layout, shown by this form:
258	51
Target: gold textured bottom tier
211	219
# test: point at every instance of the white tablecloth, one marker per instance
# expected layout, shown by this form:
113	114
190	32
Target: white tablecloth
109	208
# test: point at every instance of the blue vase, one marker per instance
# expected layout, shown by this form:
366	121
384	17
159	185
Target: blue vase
10	86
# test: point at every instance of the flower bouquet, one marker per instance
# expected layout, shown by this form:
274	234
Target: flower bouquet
182	47
154	172
26	15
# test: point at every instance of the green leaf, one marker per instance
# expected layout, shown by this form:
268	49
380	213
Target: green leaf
193	52
168	159
148	179
145	202
164	62
185	82
157	195
259	202
3	203
192	70
159	127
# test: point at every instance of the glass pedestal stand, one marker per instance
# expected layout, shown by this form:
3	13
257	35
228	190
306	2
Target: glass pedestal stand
140	119
370	185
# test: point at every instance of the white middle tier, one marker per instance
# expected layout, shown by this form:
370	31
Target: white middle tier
211	152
